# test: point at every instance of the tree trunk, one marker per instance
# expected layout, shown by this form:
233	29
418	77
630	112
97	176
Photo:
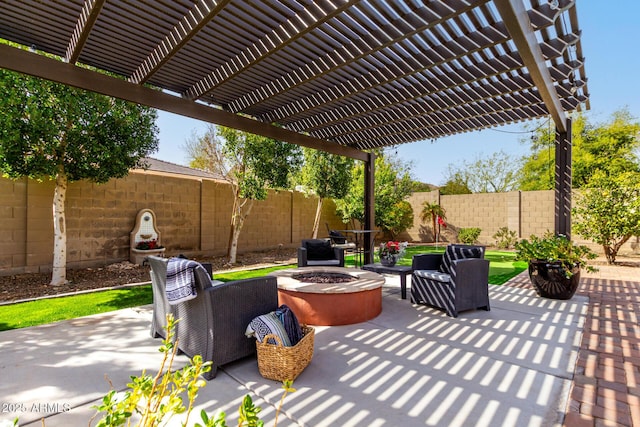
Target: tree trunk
611	251
316	221
232	228
236	226
433	226
59	274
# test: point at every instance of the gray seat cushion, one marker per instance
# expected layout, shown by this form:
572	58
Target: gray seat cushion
433	275
325	262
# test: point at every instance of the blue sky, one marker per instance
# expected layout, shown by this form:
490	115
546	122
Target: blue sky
612	60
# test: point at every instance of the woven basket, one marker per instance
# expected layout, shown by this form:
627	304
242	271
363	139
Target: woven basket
279	363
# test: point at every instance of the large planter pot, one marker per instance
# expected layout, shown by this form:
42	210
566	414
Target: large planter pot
550	279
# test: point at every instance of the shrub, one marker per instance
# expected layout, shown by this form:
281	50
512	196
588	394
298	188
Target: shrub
608	212
469	236
555	248
157	398
398	219
505	238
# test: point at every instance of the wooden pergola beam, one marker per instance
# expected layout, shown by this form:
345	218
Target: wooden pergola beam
516	19
87	19
37	65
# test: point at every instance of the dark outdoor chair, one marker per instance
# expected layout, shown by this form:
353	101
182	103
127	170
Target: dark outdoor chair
315	252
456	281
339	240
213	324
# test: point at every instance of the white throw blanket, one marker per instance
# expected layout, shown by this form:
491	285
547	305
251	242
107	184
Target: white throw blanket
181	281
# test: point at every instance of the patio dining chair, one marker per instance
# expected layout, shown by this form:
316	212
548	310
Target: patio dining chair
339	240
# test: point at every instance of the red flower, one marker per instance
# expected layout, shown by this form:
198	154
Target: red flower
389	248
148	245
441	222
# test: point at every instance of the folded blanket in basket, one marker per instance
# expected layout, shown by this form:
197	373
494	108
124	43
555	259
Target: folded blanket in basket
181	282
290	322
267	324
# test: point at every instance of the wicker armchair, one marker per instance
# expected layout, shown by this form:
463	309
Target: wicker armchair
315	252
456	281
213	324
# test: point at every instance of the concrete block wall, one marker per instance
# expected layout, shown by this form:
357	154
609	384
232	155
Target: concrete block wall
193	216
540	212
13	226
269	223
525	213
304	212
421	231
487	211
101	216
39	221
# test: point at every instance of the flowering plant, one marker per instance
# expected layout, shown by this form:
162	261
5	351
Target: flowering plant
392	248
147	245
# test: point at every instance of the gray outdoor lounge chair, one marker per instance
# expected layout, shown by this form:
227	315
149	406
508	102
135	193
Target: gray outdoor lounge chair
213	324
456	281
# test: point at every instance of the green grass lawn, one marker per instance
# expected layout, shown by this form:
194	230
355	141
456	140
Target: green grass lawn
503	267
248	274
50	310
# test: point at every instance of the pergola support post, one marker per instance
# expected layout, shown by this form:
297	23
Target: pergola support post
563	181
369	206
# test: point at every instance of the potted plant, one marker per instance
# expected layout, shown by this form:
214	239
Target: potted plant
390	252
555	263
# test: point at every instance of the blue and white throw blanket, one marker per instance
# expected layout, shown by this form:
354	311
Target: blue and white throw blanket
181	280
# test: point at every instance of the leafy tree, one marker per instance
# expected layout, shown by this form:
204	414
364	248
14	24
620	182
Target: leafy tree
432	211
249	163
608	211
393	183
420	187
496	173
456	184
327	175
52	131
399	218
538	169
611	147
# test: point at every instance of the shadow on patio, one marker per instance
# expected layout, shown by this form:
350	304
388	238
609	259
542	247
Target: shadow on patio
411	365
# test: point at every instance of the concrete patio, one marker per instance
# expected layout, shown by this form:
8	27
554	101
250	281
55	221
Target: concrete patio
412	365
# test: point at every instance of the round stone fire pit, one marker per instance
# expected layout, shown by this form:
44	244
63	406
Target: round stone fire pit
330	295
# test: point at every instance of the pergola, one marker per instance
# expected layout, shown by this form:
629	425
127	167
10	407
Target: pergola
342	76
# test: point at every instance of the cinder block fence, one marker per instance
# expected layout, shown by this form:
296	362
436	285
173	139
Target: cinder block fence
194	215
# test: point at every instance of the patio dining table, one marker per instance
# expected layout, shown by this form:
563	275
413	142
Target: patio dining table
360	251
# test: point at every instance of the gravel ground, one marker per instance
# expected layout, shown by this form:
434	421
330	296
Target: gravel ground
27	286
